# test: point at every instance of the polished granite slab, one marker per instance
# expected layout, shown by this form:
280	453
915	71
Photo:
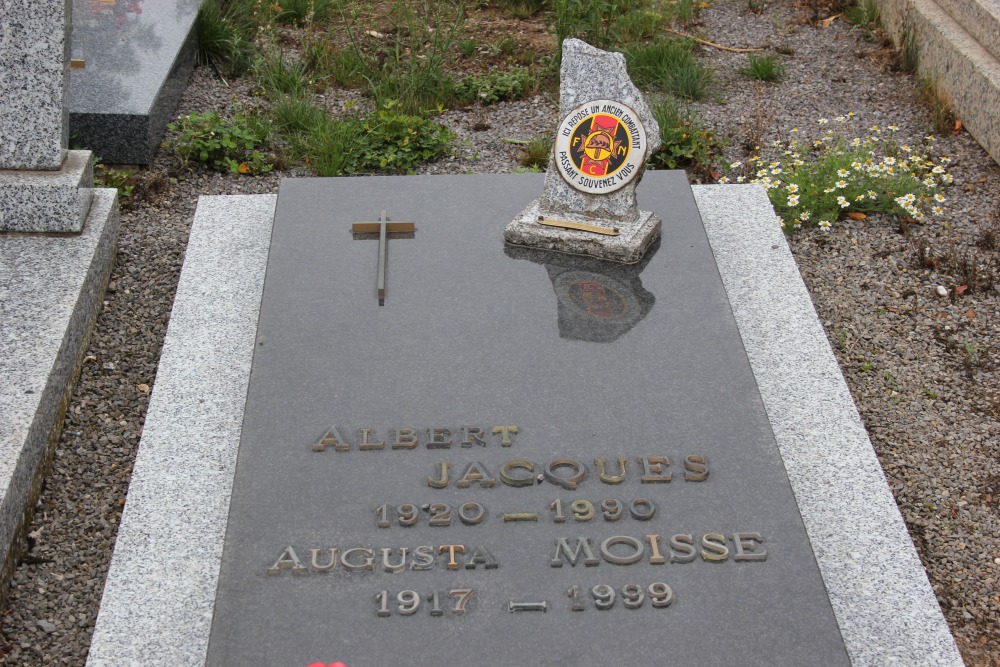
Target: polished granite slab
138	55
626	389
51	290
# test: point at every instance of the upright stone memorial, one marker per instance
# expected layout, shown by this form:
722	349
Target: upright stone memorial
57	242
451	449
588	205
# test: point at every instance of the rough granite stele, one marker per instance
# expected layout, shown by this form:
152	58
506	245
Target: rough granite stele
599	154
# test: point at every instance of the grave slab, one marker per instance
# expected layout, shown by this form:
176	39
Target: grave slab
163	605
138	55
638	371
51	287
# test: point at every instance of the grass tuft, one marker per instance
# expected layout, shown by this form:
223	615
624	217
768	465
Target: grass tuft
301	12
535	153
225	36
278	74
763	68
669	65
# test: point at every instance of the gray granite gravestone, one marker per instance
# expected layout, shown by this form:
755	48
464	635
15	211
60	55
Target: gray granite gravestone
473	336
137	56
517	444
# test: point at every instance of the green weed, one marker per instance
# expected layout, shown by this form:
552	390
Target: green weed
278	73
330	148
229	145
865	13
296	115
594	21
504	46
909	52
394	76
385	141
301	12
763	68
639	25
495	86
397	142
108	177
942	112
328	65
842	339
685	12
468	47
531	7
535	153
684	143
225	36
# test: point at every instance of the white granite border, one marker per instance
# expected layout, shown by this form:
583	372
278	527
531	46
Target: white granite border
887	612
158	599
157	604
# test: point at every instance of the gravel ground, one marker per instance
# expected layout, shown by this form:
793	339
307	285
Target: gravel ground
922	367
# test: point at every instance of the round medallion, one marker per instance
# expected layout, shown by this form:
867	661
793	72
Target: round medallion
600	146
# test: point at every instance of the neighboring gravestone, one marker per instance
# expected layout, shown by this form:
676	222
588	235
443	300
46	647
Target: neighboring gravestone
136	57
606	133
51	285
524	449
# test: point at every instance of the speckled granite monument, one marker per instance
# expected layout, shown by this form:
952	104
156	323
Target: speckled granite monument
51	284
606	133
43	188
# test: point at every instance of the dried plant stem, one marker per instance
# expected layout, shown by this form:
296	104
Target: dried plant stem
714	45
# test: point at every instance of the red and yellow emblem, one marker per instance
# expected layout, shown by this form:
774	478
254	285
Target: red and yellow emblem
600	146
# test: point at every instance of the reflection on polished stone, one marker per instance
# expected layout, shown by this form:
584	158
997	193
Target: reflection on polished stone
137	56
599	301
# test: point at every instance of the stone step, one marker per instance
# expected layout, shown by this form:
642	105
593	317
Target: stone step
51	289
980	18
959	56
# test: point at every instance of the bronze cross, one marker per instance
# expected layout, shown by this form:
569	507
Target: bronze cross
383	228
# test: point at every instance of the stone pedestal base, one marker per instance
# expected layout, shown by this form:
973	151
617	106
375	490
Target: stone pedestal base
47	201
627	247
